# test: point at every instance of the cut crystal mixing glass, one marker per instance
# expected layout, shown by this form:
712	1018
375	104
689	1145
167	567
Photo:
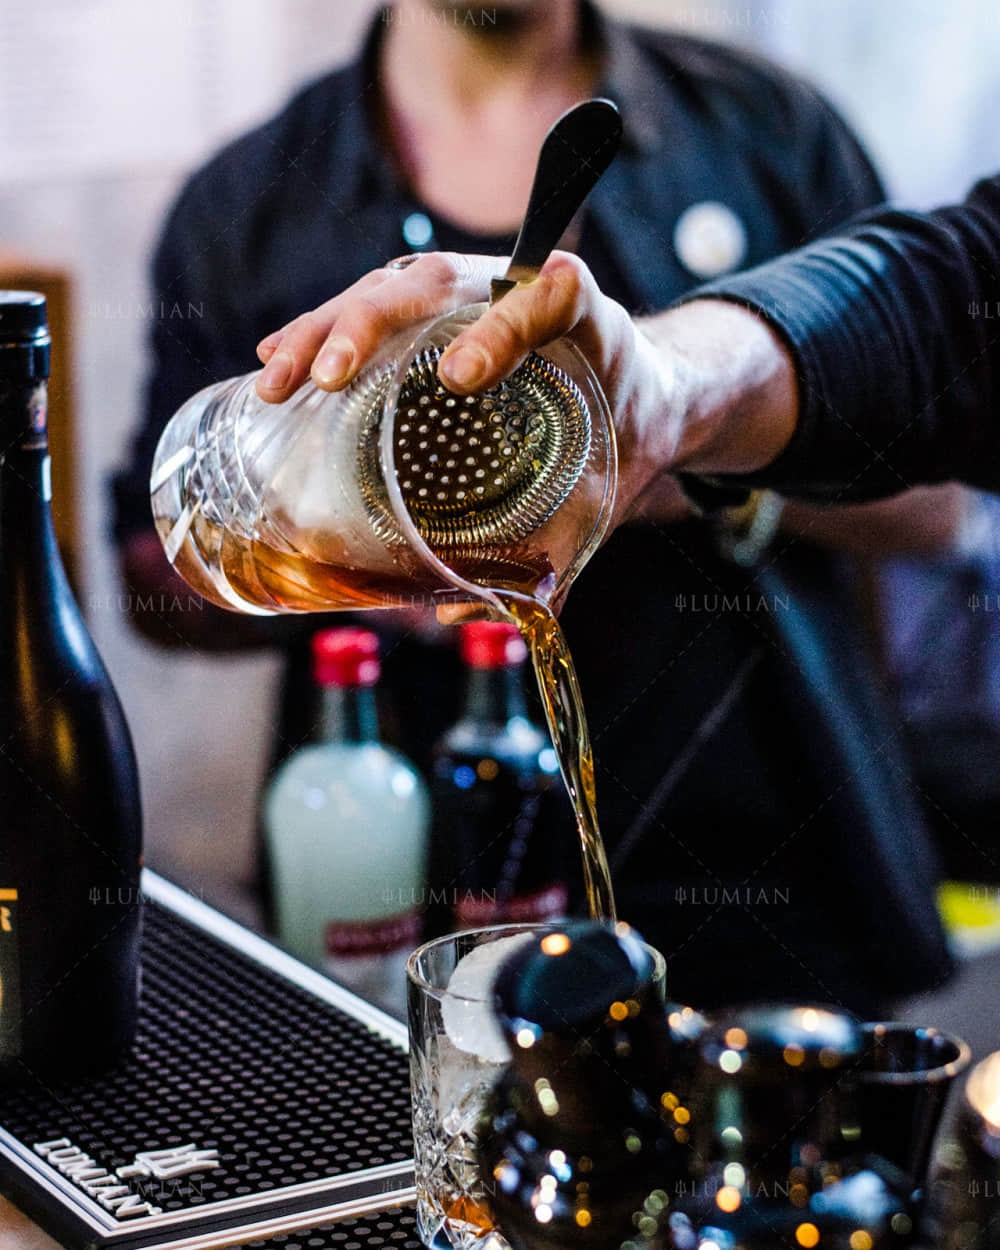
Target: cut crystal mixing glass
393	491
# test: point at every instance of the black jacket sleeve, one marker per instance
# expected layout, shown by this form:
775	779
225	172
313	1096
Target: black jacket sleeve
895	330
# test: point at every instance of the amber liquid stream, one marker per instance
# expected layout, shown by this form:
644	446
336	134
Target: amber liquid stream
563	704
286	581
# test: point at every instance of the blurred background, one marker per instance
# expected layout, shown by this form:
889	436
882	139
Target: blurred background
106	105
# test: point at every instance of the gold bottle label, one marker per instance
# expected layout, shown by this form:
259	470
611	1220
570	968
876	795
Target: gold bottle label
10	976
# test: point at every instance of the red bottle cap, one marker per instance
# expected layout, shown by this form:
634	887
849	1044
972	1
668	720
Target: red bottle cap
492	644
345	657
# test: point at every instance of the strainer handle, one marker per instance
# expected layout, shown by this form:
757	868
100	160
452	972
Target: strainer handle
577	150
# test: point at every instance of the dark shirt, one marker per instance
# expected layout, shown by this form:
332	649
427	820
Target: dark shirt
307	203
679	652
895	329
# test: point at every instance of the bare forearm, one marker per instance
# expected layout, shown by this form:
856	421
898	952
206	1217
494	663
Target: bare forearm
734	381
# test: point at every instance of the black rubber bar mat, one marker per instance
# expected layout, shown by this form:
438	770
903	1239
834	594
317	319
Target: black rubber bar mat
392	1229
259	1094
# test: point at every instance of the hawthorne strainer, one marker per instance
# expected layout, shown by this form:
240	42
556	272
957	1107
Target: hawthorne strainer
479	471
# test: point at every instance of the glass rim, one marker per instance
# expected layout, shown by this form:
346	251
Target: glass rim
916	1076
509	929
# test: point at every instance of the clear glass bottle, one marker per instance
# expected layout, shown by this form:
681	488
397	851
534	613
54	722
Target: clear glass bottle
70	817
346	823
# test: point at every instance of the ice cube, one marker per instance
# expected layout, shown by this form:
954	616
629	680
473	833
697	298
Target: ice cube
467	1008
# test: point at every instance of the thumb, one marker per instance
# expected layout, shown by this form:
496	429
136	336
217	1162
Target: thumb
529	316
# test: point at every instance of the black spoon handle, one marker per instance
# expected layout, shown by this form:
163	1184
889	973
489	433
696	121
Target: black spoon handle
576	151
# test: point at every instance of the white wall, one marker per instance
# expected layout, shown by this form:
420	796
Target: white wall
201	724
170	82
918	79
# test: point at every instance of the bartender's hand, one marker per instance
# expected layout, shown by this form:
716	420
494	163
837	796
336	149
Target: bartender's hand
706	387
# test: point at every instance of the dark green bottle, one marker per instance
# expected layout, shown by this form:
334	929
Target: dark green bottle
70	823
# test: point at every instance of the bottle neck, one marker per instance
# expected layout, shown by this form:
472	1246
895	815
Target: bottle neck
348	714
494	695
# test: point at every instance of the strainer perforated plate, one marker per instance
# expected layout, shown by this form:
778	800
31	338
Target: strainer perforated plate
482	471
298	1090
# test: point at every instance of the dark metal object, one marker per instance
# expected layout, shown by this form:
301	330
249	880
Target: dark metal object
904	1079
573	1132
780	1073
774	1133
300	1088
